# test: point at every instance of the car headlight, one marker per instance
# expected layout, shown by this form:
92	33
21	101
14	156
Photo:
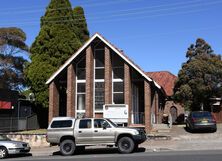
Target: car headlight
136	132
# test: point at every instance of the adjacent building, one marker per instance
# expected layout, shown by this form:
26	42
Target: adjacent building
100	74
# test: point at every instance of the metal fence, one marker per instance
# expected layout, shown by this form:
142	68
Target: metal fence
11	124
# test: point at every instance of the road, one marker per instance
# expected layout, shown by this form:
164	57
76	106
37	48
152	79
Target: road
140	156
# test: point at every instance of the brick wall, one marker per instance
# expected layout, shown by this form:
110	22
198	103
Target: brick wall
108	77
147	105
128	90
53	101
89	81
71	90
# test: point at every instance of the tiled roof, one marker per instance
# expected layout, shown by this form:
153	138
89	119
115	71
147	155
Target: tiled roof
164	79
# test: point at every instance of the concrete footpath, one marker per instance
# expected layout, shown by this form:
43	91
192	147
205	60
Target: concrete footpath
177	139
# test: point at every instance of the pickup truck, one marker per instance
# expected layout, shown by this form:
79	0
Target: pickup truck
73	135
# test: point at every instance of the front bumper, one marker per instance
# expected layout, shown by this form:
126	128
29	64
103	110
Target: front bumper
204	126
139	138
19	150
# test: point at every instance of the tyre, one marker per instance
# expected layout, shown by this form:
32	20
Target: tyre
125	145
3	152
67	147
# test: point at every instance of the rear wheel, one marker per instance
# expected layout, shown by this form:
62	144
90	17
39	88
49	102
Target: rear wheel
126	145
3	152
67	147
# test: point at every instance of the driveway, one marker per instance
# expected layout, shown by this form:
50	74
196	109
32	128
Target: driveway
179	139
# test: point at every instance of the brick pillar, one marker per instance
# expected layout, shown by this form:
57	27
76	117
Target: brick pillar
127	90
156	107
71	82
89	81
53	101
108	77
147	104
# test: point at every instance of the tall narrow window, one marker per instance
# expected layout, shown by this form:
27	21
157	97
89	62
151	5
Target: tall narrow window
81	69
80	87
99	89
117	79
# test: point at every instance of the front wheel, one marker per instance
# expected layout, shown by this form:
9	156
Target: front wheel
67	147
3	152
125	145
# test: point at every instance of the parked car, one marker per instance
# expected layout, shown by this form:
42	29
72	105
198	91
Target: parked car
198	120
8	147
72	135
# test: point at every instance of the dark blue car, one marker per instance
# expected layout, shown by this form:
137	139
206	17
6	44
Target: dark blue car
201	120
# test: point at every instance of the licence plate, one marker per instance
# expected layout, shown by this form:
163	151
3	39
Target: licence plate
204	121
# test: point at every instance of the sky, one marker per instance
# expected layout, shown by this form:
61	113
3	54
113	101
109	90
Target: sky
155	34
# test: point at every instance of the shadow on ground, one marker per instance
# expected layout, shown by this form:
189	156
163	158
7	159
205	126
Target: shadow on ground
199	131
101	151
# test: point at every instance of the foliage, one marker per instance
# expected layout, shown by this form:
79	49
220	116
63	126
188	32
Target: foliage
56	42
12	44
80	22
200	77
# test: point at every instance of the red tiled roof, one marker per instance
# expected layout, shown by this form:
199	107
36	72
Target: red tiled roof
164	79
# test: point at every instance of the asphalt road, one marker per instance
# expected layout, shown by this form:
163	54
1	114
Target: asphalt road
139	156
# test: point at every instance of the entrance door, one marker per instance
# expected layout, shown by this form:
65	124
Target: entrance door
173	112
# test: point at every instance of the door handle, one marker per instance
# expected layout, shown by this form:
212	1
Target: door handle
95	130
80	131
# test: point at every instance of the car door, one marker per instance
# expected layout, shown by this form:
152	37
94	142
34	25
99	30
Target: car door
100	134
83	131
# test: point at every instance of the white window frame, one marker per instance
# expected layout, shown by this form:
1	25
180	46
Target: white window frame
116	81
76	93
97	80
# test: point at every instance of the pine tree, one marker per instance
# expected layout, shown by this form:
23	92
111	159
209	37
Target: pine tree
81	24
200	78
12	44
58	39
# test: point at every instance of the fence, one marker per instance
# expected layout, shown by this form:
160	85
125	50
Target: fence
9	124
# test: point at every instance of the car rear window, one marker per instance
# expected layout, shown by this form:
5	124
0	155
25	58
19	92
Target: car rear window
61	124
201	114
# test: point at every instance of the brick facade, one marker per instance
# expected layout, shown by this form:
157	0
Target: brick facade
89	82
142	82
128	90
71	84
108	77
53	101
147	106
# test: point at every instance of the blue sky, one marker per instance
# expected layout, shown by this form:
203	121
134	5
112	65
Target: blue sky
155	34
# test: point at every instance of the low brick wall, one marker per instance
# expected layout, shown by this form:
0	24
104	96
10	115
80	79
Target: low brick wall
34	140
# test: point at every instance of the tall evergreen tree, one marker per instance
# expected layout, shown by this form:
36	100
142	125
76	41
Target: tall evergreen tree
200	78
12	44
57	40
80	21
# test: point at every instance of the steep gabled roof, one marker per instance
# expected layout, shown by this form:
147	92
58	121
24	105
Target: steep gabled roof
115	49
165	79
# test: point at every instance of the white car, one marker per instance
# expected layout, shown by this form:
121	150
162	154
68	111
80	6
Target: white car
8	147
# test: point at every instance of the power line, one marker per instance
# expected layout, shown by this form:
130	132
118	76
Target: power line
38	9
139	12
121	16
